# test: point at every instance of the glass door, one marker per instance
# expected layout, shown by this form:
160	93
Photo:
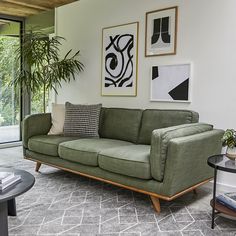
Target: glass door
10	111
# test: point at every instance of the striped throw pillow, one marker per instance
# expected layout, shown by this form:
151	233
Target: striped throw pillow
82	120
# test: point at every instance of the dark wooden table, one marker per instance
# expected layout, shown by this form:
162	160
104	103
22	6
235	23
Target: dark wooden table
223	163
7	197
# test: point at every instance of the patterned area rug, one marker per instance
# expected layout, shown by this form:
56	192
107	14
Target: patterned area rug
65	204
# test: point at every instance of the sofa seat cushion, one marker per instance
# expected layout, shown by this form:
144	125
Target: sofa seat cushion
47	144
85	151
130	160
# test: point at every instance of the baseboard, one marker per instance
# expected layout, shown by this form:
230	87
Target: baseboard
9	145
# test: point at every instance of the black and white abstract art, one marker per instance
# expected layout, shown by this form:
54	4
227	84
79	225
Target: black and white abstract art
171	83
119	66
161	28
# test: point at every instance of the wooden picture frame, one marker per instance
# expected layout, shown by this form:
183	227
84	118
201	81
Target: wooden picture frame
120	60
161	32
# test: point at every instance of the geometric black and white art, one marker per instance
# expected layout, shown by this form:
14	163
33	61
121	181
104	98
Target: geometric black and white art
170	83
161	31
119	57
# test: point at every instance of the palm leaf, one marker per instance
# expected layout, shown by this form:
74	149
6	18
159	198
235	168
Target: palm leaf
41	65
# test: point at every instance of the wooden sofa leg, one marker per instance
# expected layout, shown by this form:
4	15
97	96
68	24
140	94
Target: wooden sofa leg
38	164
156	204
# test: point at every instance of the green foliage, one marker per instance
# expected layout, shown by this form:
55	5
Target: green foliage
37	101
9	97
229	138
42	67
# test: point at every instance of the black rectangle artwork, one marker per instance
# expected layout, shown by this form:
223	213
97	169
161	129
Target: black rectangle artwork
170	83
161	35
161	32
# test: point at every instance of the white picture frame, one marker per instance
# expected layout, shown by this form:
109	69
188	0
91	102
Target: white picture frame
161	32
120	60
171	83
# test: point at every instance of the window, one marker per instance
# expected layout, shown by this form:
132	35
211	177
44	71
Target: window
10	112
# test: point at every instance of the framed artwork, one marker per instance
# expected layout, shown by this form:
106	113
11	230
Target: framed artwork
161	32
119	60
171	83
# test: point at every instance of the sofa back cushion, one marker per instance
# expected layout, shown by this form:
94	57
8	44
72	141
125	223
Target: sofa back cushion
157	119
120	123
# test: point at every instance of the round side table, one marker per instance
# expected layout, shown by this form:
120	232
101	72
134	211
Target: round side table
7	197
223	163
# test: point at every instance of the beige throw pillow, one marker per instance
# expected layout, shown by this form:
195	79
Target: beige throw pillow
58	118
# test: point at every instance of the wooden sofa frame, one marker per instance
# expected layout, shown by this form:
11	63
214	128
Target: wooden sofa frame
155	198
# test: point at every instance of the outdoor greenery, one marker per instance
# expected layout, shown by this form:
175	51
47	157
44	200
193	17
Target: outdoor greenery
9	97
43	69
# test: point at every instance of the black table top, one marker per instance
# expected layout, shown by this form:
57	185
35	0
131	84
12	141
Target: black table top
27	182
222	162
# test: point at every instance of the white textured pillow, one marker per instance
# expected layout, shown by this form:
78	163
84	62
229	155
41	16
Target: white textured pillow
58	118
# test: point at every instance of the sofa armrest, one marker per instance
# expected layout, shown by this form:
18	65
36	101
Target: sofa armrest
186	163
161	139
35	125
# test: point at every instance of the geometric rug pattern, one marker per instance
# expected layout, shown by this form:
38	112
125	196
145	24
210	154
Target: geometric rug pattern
61	203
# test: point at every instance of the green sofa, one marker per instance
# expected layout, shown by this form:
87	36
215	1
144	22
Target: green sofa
162	153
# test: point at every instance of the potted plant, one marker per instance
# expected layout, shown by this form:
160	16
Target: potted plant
229	140
42	66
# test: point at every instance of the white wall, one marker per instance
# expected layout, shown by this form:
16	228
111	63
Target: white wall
206	38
